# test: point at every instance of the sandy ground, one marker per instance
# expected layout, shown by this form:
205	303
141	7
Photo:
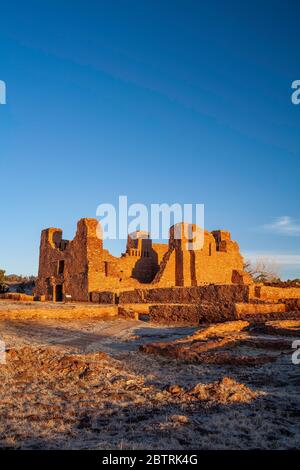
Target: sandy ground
86	384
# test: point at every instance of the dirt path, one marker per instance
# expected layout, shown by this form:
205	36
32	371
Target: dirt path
111	336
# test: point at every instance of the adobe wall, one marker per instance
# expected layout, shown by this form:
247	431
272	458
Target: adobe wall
87	267
217	261
292	305
276	293
81	266
214	312
187	295
160	250
244	309
73	254
207	312
143	256
106	297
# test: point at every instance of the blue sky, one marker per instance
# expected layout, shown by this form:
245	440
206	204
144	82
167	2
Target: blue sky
161	101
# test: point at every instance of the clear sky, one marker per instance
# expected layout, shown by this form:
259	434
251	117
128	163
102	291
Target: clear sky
162	101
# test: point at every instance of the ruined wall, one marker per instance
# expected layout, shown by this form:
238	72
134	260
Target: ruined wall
81	266
166	276
78	259
48	262
160	250
139	264
64	263
217	261
277	293
106	271
187	295
105	297
206	312
150	255
244	309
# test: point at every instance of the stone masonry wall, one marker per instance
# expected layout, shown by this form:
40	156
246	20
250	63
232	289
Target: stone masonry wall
207	312
63	264
216	261
186	295
79	267
277	293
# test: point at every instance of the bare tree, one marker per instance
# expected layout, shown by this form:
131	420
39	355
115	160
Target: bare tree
262	270
3	286
2	276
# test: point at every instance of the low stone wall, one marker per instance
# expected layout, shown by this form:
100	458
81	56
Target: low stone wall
244	309
105	297
37	310
207	312
128	313
292	305
187	295
17	297
277	293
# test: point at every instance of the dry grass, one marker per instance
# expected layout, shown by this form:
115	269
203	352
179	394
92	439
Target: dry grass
84	383
222	344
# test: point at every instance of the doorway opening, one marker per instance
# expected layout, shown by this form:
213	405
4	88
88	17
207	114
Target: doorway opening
58	293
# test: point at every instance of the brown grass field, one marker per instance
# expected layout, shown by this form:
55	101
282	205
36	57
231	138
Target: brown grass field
111	383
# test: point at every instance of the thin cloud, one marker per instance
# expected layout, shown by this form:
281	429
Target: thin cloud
284	225
278	259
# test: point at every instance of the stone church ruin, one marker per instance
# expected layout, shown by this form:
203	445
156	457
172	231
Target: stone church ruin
80	267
